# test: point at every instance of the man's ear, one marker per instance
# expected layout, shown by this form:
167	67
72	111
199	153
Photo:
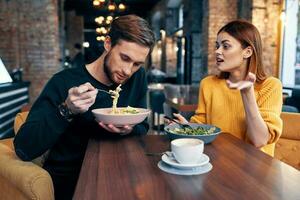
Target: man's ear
107	43
248	51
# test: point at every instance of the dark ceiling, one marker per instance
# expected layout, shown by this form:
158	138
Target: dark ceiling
86	9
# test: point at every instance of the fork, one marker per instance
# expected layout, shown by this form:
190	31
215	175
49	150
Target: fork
180	124
100	90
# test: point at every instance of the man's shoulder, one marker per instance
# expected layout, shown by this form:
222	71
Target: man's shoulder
69	73
140	74
141	71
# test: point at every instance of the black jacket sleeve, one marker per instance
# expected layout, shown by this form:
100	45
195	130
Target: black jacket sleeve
44	124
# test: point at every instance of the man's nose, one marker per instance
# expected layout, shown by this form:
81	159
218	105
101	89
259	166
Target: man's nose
127	70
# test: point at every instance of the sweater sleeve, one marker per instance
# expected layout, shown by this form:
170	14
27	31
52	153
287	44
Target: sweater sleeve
200	114
44	124
270	105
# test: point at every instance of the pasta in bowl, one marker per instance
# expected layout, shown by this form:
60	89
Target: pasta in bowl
121	115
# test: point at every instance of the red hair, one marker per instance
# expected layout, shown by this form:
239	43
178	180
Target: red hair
248	35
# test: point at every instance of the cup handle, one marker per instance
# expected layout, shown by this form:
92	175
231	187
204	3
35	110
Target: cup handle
169	154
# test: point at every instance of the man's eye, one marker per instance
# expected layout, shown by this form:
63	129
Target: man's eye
125	58
136	65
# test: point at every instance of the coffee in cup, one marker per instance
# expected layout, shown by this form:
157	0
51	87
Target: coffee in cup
187	150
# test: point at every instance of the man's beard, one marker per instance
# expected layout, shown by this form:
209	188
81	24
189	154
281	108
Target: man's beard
106	67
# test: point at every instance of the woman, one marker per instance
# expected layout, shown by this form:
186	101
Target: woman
242	100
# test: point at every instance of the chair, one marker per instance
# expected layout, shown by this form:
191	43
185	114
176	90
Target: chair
157	98
22	180
294	100
287	108
288	146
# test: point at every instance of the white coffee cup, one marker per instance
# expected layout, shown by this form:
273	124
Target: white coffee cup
187	150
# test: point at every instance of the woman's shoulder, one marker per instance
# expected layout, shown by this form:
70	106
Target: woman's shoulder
210	80
268	85
271	82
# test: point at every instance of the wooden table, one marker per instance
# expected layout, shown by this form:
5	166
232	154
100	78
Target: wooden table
119	169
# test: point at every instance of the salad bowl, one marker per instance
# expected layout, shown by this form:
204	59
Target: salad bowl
204	132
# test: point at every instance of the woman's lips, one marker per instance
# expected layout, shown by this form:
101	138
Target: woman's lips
219	61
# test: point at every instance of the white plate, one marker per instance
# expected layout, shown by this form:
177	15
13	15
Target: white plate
192	171
170	160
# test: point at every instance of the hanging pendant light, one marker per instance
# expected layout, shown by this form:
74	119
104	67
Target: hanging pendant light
111	6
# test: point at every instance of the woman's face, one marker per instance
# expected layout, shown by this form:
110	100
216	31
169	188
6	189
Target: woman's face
230	55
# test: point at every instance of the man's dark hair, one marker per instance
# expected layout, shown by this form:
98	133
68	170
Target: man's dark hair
131	28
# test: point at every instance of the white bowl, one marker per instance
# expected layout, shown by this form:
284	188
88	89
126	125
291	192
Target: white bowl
104	115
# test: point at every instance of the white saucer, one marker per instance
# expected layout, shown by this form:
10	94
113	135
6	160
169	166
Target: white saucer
192	171
170	160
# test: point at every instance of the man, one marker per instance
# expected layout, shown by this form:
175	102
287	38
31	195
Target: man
61	120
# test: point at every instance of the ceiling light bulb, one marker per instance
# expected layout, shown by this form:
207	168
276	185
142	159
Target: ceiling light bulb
122	6
96	3
111	7
86	44
110	18
102	38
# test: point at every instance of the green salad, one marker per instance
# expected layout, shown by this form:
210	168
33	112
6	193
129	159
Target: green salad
193	131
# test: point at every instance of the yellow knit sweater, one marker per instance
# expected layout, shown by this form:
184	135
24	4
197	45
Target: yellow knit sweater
223	107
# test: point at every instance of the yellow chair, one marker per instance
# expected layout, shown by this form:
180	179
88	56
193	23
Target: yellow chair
288	146
21	180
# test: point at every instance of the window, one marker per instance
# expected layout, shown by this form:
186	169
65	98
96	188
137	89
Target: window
290	60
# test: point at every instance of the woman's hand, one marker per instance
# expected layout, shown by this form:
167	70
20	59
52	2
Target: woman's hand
243	85
180	118
124	130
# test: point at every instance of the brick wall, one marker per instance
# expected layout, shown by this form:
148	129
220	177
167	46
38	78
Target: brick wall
220	12
29	38
265	16
9	34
